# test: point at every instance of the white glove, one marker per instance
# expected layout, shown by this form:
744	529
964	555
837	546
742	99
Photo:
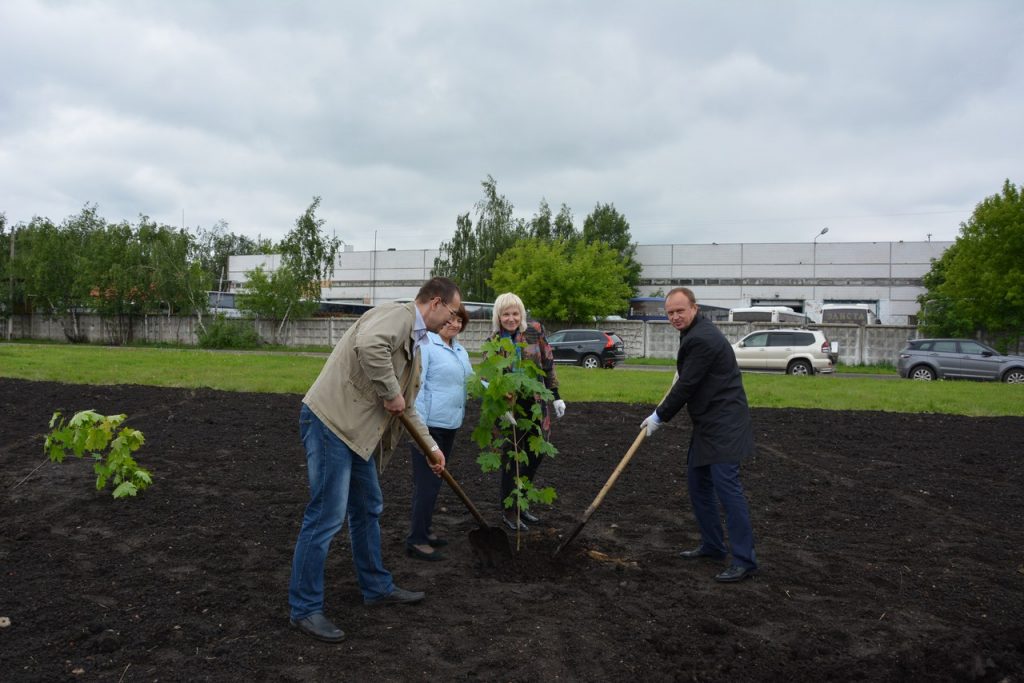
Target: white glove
651	423
559	407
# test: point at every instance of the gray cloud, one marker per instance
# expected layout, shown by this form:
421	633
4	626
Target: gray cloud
728	121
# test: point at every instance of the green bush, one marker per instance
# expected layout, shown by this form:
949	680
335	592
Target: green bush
107	442
229	334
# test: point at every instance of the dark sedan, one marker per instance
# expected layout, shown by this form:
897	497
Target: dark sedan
589	348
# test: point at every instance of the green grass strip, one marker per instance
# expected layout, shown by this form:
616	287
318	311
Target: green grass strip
294	372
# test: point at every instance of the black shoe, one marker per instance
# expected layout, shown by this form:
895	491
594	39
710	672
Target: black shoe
735	574
318	626
529	517
700	553
399	596
510	522
415	553
437	542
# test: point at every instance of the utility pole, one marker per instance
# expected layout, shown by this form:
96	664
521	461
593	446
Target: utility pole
814	266
10	300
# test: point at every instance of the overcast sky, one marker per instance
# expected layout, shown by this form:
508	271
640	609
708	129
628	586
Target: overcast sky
700	121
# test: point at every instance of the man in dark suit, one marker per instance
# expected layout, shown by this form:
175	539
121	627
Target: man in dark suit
710	385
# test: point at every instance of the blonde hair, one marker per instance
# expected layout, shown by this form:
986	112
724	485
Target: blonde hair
504	301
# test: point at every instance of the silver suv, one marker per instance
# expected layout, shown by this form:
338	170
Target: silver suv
795	351
929	359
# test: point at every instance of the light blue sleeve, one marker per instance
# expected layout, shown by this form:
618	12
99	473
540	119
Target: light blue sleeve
466	363
421	401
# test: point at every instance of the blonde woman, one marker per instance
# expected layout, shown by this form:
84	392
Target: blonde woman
509	321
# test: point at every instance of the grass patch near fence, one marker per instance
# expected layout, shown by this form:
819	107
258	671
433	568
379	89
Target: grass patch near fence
768	390
165	367
294	372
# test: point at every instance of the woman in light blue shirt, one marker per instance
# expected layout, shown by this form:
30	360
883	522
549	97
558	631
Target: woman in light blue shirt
441	404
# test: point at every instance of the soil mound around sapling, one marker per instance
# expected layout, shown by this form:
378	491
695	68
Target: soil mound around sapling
890	547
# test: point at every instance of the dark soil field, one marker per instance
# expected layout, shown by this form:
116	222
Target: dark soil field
891	545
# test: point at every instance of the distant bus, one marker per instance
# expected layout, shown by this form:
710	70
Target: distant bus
767	314
328	309
713	313
647	308
857	314
476	310
223	303
653	308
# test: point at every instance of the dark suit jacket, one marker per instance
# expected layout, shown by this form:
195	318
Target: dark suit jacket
711	387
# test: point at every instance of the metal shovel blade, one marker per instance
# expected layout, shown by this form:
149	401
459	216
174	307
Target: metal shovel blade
489	543
490	546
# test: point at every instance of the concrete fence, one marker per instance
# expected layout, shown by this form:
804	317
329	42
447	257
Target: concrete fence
858	345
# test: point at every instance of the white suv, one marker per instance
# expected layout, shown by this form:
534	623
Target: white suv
795	351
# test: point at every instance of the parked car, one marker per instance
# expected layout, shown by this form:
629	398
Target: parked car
794	351
589	348
928	359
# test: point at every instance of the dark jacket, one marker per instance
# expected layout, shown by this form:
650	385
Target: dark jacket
711	387
539	351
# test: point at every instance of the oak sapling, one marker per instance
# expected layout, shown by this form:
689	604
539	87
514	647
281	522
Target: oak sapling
500	391
108	443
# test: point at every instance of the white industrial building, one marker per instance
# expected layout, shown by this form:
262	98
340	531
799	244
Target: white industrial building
802	275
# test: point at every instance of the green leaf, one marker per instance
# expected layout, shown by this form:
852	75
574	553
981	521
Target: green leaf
546	495
97	438
489	461
126	488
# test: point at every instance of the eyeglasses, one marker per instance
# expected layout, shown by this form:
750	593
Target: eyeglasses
451	314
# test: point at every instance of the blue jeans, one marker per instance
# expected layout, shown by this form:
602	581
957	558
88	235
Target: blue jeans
340	482
709	485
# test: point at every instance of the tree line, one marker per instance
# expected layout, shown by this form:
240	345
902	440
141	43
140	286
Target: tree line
123	270
565	273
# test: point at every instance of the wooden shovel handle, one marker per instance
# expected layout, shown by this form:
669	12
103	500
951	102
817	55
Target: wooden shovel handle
432	459
605	489
615	475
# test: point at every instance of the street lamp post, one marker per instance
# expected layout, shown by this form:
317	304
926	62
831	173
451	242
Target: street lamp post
814	264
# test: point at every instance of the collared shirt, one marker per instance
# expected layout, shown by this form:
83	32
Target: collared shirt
419	330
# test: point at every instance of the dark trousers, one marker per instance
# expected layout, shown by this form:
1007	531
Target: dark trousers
508	468
426	485
709	485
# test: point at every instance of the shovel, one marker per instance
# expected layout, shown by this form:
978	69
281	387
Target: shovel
489	543
604	491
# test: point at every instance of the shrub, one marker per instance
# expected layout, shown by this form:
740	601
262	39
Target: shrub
229	334
89	432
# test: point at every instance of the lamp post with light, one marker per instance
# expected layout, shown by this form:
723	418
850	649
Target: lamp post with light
814	264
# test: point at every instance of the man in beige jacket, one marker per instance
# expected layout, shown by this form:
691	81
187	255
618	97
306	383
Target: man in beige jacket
349	426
